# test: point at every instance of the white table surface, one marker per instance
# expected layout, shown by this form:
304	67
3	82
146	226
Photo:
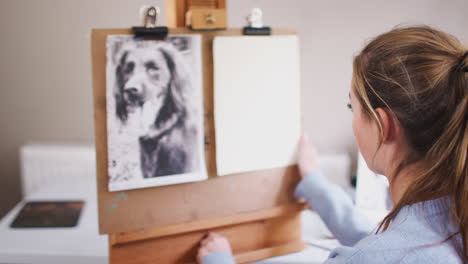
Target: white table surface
83	244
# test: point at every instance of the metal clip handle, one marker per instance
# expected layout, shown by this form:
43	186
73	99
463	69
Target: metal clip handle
255	18
151	17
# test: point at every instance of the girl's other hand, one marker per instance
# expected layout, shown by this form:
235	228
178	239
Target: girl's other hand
213	243
307	156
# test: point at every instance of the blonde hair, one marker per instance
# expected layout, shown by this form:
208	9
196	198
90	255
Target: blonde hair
420	75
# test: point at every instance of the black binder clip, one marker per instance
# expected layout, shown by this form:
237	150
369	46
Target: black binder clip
255	24
150	28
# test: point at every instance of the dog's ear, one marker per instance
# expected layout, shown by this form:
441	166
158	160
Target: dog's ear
120	104
181	79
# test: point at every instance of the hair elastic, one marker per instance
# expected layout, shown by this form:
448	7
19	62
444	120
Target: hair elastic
461	65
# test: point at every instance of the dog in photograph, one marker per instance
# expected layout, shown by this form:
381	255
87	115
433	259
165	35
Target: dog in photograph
154	86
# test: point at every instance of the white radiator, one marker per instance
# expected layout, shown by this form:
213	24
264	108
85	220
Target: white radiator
45	163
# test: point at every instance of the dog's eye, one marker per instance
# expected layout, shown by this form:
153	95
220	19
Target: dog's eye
129	67
151	66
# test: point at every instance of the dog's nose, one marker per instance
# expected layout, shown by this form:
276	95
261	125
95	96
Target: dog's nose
131	90
133	96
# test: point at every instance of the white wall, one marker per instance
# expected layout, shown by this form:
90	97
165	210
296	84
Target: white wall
45	75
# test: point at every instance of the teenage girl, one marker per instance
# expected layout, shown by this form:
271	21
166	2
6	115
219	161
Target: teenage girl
409	98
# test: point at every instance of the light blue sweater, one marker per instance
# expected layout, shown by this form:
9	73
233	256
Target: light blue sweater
416	235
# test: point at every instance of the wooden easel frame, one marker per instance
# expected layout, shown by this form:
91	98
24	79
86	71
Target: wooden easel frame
256	211
263	221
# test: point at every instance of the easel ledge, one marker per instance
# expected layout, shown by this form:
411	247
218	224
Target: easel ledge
253	237
206	224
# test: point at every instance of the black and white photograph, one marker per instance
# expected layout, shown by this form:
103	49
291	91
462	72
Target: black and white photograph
154	111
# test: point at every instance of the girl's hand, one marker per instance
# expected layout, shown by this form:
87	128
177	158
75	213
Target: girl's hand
307	157
213	243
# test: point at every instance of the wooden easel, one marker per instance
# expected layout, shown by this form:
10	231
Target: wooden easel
256	211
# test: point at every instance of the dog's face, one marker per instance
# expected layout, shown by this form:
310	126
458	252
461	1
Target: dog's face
143	75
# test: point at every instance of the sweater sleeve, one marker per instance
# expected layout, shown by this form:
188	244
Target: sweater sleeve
218	257
335	208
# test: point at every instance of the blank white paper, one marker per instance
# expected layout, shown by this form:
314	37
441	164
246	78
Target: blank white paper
256	102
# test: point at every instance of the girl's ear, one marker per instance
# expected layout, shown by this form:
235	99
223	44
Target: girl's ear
390	125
